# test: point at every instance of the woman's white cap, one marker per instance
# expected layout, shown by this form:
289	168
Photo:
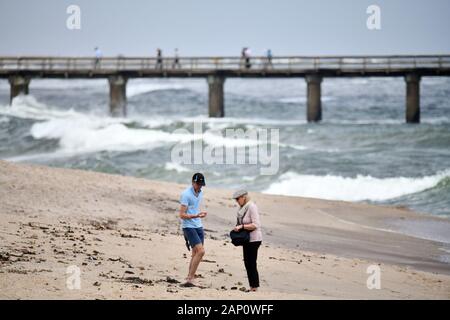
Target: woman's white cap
239	193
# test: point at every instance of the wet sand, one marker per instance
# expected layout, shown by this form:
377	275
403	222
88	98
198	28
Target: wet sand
123	235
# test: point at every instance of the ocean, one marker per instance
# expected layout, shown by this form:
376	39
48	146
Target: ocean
362	151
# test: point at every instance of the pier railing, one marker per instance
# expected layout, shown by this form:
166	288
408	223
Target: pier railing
118	70
257	63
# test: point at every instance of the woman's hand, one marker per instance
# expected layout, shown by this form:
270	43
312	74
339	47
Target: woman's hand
237	228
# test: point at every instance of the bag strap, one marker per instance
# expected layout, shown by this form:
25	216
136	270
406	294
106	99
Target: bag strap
242	219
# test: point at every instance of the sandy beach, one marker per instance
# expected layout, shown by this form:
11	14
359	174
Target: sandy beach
123	234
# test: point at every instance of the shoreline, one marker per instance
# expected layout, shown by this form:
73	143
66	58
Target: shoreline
123	232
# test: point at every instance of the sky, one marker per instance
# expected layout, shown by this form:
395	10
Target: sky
222	28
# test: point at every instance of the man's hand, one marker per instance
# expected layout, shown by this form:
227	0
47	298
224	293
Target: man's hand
202	214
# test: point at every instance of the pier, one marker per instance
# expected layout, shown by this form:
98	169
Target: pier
117	70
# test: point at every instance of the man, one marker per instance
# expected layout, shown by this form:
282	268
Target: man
247	54
269	58
98	56
159	60
192	224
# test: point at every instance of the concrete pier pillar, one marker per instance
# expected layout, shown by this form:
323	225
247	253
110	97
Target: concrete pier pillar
313	105
216	100
118	96
19	85
412	98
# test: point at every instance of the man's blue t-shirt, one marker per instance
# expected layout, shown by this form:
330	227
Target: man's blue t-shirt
192	202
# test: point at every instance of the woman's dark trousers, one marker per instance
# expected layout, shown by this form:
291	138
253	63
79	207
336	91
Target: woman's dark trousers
250	256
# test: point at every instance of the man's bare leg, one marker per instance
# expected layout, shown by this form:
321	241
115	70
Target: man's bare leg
194	251
195	261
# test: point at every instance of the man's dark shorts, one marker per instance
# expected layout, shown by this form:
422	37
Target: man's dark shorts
194	236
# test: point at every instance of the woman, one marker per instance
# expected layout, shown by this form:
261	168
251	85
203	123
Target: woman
248	219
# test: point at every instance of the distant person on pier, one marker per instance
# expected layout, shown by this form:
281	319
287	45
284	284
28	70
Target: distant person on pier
176	60
242	62
269	59
98	56
159	59
247	54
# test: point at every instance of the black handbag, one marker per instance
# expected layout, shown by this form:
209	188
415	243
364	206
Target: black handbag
241	237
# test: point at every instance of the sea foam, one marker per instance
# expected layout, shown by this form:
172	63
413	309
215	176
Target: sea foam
359	188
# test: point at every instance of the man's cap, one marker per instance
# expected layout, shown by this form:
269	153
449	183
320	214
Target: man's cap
239	193
199	178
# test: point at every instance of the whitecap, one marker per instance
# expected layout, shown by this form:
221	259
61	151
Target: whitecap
169	166
359	188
